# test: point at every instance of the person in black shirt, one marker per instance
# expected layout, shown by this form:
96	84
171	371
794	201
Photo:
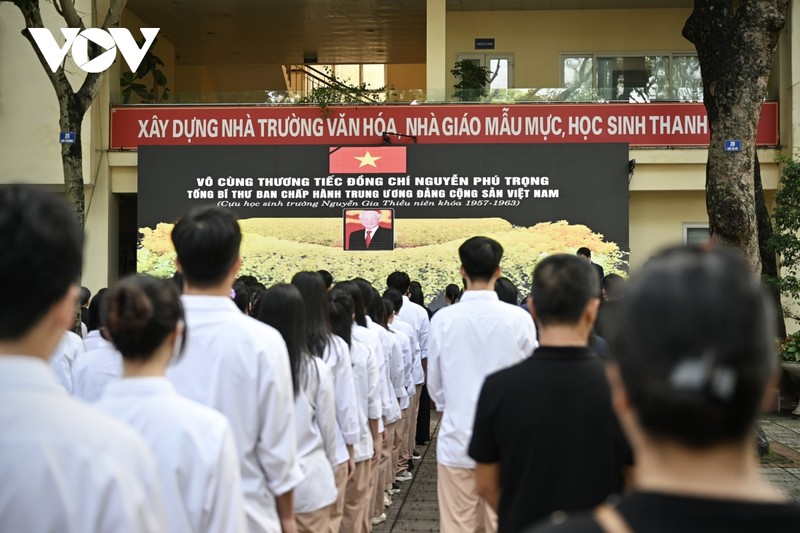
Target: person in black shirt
691	366
545	436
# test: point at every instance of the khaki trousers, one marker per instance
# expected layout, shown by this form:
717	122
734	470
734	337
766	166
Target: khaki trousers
461	510
384	466
337	509
412	428
315	521
401	452
356	500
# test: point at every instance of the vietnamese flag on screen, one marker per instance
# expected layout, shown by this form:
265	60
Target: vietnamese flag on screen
367	160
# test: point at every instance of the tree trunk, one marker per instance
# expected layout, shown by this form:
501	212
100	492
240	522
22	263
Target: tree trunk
72	160
769	261
735	44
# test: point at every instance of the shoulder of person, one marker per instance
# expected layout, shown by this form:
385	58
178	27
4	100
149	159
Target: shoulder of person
96	429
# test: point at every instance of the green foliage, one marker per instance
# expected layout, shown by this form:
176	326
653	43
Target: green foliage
789	348
158	90
339	91
472	81
273	250
785	240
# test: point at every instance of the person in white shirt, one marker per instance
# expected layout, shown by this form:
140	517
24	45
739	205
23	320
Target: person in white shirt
366	376
413	376
94	325
65	466
469	341
63	358
239	366
416	316
322	343
94	370
282	307
192	443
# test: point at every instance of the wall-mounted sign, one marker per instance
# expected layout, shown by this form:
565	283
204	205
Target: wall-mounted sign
484	44
67	137
733	146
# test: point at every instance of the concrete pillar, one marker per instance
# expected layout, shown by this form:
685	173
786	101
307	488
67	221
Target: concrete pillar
436	57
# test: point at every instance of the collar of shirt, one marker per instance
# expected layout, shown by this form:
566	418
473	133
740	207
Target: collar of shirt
563	353
209	303
479	295
147	386
27	372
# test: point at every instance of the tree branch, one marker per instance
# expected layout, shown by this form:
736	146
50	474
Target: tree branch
67	11
114	12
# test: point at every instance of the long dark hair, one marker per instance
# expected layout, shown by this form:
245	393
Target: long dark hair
342	310
377	311
351	288
318	323
139	313
282	307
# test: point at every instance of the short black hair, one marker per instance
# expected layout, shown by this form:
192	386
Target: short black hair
613	285
584	251
398	280
139	312
452	293
86	294
40	240
395	297
562	286
327	278
207	242
480	257
95	321
506	291
242	296
697	346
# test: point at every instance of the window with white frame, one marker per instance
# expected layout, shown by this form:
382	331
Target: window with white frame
631	78
695	233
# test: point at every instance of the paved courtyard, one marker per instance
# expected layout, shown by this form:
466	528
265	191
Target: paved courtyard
415	508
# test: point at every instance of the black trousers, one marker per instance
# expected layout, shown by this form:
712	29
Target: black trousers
424	417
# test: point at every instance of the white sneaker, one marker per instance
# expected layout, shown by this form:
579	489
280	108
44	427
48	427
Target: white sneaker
379	519
415	455
405	476
387	500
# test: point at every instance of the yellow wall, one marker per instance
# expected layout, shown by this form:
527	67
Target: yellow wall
405	76
537	38
29	147
229	78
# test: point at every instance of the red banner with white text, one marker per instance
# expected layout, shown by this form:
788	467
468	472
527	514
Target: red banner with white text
639	125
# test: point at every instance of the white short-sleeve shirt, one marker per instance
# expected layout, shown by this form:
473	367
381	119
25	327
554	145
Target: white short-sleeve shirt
194	451
67	467
469	341
240	367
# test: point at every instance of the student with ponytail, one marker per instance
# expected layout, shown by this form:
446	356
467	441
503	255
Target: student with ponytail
192	443
282	307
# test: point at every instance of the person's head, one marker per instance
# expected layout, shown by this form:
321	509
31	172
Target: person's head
394	296
40	240
241	297
366	292
143	317
315	297
584	253
612	285
352	288
415	293
327	278
282	308
95	320
377	310
506	291
480	259
248	280
564	292
388	309
370	219
85	295
696	352
207	242
400	281
177	280
342	313
451	294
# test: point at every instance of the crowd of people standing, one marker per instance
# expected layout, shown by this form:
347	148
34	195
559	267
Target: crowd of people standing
216	404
